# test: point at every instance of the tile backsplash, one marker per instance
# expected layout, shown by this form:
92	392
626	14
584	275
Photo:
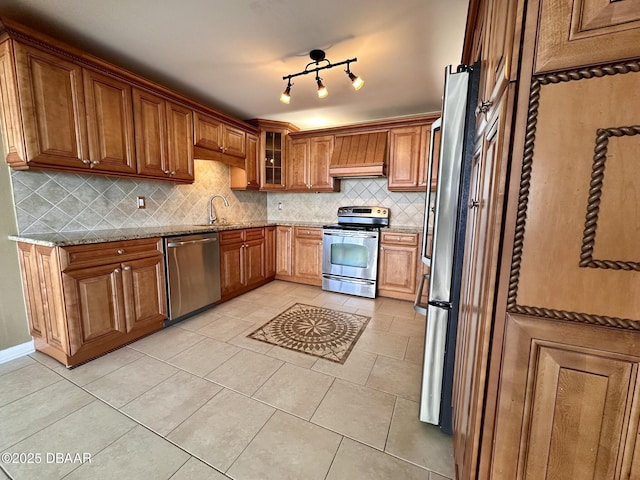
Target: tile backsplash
407	208
65	202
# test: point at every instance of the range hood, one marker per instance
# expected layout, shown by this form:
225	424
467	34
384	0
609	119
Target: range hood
361	155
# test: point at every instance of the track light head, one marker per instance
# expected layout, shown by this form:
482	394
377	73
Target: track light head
322	90
356	81
286	95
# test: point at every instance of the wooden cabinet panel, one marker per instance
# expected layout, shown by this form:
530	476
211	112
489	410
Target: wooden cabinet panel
484	221
87	309
398	265
298	165
284	253
216	136
52	108
207	132
145	297
270	251
404	157
255	262
575	33
397	270
180	142
308	260
164	137
501	44
308	165
95	307
232	269
32	289
320	151
247	178
574	388
243	260
234	141
150	133
109	123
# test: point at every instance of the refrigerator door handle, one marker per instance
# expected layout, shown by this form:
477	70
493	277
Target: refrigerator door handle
441	304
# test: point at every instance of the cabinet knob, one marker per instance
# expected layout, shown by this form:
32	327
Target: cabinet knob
173	173
381	248
86	162
166	172
120	251
127	268
117	270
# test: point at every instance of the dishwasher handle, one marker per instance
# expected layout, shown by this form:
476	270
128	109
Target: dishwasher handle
202	240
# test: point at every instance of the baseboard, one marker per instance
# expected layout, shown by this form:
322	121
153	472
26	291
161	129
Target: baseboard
17	351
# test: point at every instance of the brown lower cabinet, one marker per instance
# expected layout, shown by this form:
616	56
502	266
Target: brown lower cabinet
244	260
85	300
307	255
398	265
299	254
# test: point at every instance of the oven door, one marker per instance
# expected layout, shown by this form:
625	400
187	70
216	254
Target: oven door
349	253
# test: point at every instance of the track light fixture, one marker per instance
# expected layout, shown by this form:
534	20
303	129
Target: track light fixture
320	63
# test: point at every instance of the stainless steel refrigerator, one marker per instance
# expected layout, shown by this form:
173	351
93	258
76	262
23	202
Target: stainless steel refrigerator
446	209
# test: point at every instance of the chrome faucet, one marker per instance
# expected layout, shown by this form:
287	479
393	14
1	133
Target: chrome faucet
213	214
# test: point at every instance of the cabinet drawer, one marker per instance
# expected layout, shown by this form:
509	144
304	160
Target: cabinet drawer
80	256
400	238
231	236
308	232
254	234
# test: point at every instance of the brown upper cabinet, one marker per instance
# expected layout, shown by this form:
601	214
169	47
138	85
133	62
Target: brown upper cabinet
247	178
63	109
163	131
308	165
213	136
109	122
272	153
409	157
44	115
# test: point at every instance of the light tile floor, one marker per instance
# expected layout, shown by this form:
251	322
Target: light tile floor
200	400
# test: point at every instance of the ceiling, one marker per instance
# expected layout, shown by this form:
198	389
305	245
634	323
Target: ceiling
232	54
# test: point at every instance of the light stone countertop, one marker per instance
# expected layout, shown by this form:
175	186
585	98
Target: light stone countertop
65	239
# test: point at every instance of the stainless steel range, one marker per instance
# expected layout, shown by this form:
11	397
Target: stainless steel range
350	250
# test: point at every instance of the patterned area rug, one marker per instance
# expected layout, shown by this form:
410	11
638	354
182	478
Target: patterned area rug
318	331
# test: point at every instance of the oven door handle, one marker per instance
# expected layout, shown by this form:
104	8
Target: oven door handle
352	235
349	280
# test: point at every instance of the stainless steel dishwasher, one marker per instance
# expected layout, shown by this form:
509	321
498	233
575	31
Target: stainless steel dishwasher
193	274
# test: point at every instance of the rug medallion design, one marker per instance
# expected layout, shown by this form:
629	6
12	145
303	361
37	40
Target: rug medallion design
318	331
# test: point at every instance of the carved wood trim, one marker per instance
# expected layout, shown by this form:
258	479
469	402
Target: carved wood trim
578	317
593	203
537	82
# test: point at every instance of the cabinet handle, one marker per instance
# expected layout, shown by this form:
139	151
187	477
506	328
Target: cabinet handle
166	172
127	268
120	251
117	270
172	173
474	204
483	107
86	162
95	162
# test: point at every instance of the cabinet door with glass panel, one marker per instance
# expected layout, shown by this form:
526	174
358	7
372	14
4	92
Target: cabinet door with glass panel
273	153
273	145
